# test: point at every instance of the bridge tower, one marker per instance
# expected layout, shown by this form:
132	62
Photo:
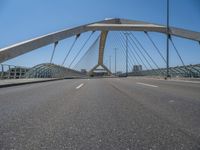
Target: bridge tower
102	44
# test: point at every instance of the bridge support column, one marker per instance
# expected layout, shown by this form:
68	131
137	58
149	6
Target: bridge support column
101	53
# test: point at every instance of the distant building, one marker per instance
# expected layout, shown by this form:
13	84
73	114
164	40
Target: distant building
137	68
13	72
83	71
118	73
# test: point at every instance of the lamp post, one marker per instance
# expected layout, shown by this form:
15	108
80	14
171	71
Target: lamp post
115	61
168	36
126	35
110	63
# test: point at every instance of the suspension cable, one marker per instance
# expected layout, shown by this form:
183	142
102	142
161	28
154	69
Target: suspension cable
87	51
123	52
122	40
159	70
81	49
77	36
156	47
132	60
124	56
141	52
156	71
131	55
122	36
54	48
144	50
177	52
147	34
122	48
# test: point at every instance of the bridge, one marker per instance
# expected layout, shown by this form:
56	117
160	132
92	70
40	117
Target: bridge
137	102
104	27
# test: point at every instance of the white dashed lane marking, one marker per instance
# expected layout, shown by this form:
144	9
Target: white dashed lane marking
78	87
150	85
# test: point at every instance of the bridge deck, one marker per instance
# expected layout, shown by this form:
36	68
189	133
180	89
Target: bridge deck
115	113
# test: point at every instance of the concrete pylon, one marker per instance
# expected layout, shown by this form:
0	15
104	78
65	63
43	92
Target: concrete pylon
102	44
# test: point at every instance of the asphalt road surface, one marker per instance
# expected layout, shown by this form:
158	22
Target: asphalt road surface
115	113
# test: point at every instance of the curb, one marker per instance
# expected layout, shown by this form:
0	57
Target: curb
24	83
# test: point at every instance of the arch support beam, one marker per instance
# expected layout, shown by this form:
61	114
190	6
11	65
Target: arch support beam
102	44
115	24
91	72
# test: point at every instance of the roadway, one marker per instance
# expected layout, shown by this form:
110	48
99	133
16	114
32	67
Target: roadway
114	113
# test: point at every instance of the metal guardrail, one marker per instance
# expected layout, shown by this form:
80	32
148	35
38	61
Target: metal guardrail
49	70
189	71
46	70
12	72
55	71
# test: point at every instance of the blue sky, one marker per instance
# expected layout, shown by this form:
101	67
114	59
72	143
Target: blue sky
25	19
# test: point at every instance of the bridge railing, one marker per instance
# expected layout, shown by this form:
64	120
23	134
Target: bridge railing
12	72
49	70
189	71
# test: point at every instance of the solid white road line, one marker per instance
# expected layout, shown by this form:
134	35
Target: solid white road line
78	87
146	84
186	81
170	80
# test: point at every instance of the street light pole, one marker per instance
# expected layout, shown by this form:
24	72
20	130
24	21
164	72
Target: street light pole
126	34
110	63
168	36
115	61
